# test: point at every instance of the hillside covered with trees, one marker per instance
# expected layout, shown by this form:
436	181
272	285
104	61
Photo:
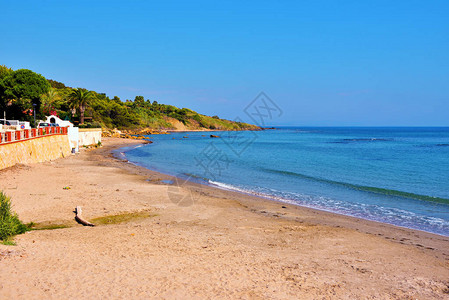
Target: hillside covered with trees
24	92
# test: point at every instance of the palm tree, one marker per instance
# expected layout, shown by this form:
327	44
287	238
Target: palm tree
51	99
80	98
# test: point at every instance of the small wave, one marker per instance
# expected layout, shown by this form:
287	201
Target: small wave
431	145
120	155
274	195
304	131
377	213
363	140
370	189
227	186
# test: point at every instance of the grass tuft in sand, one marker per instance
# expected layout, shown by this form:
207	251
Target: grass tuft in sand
122	218
48	226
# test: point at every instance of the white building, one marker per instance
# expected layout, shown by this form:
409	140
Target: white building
57	120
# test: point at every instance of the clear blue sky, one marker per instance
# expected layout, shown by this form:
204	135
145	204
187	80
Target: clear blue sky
325	63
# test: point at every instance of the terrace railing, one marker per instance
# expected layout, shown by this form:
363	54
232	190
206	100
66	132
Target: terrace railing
13	136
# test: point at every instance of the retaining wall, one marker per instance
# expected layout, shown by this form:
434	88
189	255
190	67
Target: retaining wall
89	136
35	150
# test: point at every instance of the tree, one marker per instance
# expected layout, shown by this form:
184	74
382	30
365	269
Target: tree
139	101
80	98
50	101
56	84
4	71
22	89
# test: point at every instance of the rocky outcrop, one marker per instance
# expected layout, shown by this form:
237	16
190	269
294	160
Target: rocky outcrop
137	134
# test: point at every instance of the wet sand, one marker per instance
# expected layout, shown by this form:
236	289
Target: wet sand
199	242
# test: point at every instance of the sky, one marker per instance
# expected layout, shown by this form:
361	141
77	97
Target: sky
323	63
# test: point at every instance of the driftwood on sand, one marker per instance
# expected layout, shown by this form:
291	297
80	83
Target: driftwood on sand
80	219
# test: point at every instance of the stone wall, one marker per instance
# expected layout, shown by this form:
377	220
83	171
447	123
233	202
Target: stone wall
40	149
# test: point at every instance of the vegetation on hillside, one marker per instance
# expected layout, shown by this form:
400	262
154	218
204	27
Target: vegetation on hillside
20	89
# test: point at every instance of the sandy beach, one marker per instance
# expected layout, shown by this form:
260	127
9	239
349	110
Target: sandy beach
198	242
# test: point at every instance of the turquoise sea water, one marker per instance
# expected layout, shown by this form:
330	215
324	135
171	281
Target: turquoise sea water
393	175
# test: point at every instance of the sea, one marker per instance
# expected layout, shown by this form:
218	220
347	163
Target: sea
394	175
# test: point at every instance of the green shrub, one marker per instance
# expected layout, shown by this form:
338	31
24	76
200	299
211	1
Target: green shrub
197	118
10	224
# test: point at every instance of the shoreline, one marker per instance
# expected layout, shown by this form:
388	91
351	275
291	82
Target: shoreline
378	200
198	241
335	220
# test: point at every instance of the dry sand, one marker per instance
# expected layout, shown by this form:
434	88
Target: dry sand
208	244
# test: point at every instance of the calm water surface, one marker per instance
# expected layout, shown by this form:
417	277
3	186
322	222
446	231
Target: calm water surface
393	175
